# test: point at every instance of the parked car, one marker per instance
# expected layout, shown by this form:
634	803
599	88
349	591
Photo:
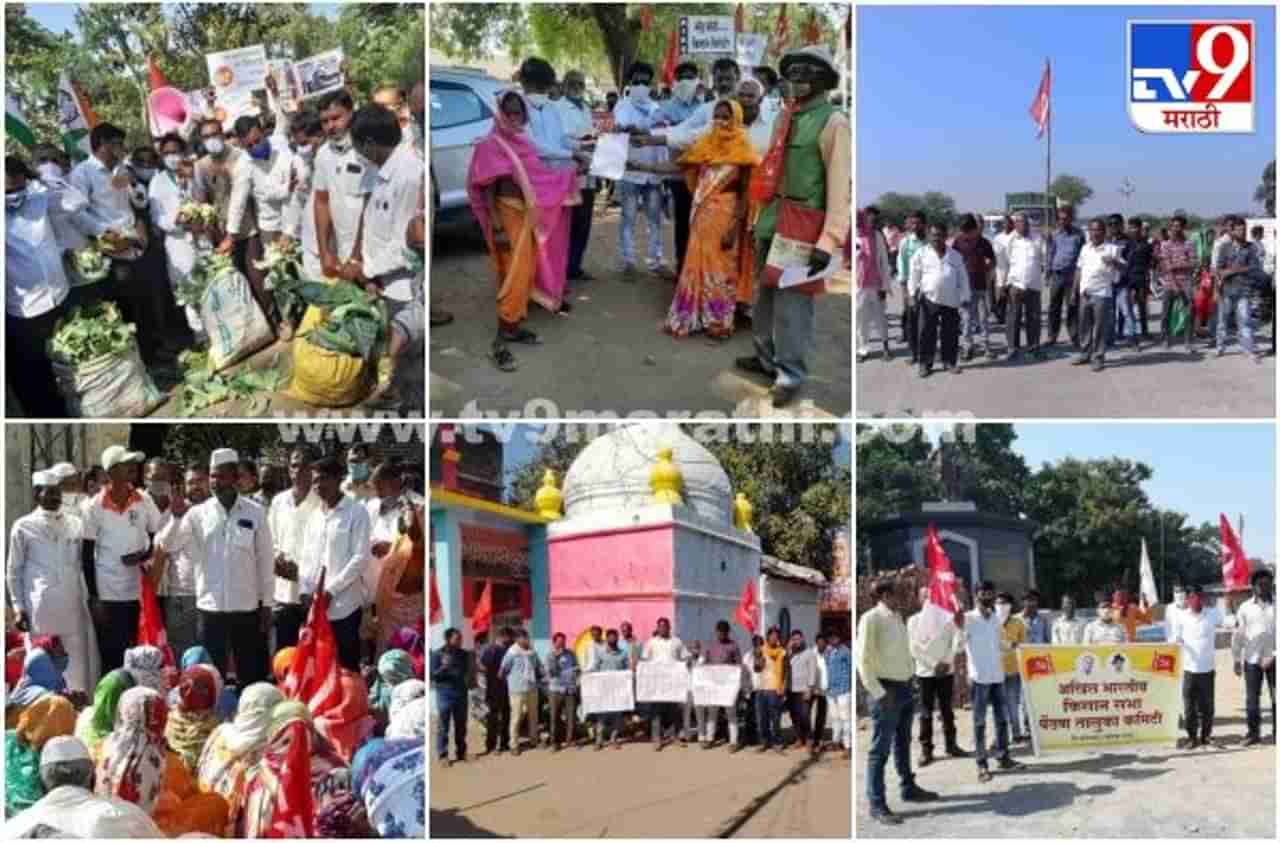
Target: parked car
462	103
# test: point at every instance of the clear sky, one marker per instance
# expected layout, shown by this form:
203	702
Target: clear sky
1199	469
61	17
944	93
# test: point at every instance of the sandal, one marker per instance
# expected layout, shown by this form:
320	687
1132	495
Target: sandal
502	358
523	336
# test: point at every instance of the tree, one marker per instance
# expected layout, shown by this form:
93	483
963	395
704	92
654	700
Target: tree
940	207
1266	191
1000	473
1071	190
893	472
557	455
896	207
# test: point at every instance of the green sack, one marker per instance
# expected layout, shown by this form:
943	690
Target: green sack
1178	316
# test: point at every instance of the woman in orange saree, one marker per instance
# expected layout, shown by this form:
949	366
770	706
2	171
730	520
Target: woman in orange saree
402	583
717	169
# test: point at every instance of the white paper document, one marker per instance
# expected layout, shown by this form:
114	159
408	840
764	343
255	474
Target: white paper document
610	158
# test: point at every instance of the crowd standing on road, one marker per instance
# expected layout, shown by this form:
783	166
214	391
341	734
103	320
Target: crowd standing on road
892	654
735	169
214	651
955	289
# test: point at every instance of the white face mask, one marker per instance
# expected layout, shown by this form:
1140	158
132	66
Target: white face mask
171	162
685	89
214	146
1002	611
1179	598
640	93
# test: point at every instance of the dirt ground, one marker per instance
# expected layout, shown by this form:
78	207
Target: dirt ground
635	792
609	354
1146	792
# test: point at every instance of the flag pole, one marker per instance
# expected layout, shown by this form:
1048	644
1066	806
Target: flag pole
1048	154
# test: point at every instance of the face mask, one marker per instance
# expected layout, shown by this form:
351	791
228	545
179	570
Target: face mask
342	142
261	151
171	162
1179	599
640	93
14	198
537	100
359	471
1002	611
215	147
685	89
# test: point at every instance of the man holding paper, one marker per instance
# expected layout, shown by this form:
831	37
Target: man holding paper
663	647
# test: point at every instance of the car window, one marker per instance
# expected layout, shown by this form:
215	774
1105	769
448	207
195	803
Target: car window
455	106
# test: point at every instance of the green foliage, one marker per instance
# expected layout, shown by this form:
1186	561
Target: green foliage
1265	194
91	333
185	444
893	471
895	207
354	323
1070	189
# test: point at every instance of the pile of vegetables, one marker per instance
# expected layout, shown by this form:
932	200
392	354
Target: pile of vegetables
92	263
197	213
354	324
190	290
200	389
89	334
283	264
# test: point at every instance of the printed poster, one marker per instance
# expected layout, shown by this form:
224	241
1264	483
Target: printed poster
319	74
235	75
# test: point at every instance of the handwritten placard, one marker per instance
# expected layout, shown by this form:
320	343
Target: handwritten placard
662	682
716	684
606	691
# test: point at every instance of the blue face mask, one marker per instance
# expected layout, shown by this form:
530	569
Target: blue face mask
359	471
261	151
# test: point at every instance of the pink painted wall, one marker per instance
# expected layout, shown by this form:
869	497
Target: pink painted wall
606	578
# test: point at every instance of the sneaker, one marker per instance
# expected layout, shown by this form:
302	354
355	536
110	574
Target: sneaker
926	759
957	752
1098	365
882	816
924	371
1007	763
1080	361
984	775
1252	740
918	794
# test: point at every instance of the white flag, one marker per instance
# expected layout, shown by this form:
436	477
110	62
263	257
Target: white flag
75	119
1148	579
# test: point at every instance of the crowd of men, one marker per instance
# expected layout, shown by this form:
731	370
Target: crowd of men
956	286
896	660
343	183
517	684
539	154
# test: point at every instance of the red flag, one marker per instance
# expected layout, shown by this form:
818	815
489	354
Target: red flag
812	32
747	608
671	58
436	606
739	17
1235	565
313	677
151	629
942	581
294	809
646	18
482	614
780	30
1040	105
154	77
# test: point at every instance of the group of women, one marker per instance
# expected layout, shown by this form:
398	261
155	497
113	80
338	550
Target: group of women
170	751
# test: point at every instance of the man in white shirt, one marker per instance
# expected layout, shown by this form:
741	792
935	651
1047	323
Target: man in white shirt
105	180
178	584
1253	651
575	116
36	285
1067	628
168	190
999	292
1097	272
336	552
230	540
299	213
395	200
663	647
934	660
1195	632
72	489
1105	629
46	582
289	515
340	185
939	286
981	632
117	529
639	112
1024	275
359	483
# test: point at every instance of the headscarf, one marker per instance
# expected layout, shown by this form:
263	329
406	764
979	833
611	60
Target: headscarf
281	802
410	721
193	656
723	145
146	663
405	693
252	726
133	757
372	756
13	660
49	717
405	638
52	644
396	796
68	759
96	722
194	719
283	661
507	152
234	748
348	724
39	677
228	699
42	721
394	667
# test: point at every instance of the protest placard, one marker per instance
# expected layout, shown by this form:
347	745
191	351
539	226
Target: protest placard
707	34
609	161
662	682
1101	695
716	684
290	94
319	74
751	48
235	75
606	691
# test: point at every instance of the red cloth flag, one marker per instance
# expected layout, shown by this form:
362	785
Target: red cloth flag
154	77
1040	105
436	606
482	614
780	31
671	58
294	809
942	604
812	32
739	17
313	677
747	608
1235	565
646	18
151	629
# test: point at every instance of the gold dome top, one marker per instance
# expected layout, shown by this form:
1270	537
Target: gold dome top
742	510
665	480
548	500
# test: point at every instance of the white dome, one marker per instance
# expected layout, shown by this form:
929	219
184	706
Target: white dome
612	473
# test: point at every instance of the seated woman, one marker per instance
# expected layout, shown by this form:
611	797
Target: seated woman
194	719
348	724
276	803
520	203
96	722
228	699
717	169
394	668
47	718
234	748
40	677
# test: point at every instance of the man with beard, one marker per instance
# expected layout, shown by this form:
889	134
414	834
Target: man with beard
1253	650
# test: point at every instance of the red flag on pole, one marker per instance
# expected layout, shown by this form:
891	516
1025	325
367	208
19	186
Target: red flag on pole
739	18
482	614
745	616
780	31
436	606
942	603
154	77
151	629
812	32
671	58
313	677
1040	105
294	812
1235	565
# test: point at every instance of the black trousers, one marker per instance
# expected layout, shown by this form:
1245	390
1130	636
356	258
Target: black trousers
682	198
28	367
1140	295
663	716
932	318
118	633
1023	314
1000	301
1094	326
237	634
1061	294
819	703
347	632
798	708
911	326
1197	702
580	232
497	723
939	690
1254	676
288	619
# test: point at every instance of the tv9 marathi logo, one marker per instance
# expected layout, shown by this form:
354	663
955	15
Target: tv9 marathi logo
1190	77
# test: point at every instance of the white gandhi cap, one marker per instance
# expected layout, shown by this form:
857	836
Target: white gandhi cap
222	456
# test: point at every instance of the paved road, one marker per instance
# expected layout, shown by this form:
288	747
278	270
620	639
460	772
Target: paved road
1122	794
609	355
1155	383
637	793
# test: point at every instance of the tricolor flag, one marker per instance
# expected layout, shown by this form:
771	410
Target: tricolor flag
1235	565
15	123
1040	105
942	602
75	118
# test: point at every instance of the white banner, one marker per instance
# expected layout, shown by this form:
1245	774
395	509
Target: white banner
751	48
607	690
717	684
662	682
235	75
707	34
319	74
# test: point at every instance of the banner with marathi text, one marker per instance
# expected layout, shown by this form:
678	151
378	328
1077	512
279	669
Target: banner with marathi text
1103	695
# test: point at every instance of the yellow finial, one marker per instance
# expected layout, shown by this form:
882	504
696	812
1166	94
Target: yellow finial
742	510
665	480
548	501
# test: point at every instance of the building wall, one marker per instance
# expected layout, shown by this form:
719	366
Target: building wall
711	568
1004	556
800	601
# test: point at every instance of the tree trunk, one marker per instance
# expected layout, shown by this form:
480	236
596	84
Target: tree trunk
621	38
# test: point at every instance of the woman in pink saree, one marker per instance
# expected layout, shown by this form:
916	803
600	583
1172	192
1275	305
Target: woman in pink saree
521	206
